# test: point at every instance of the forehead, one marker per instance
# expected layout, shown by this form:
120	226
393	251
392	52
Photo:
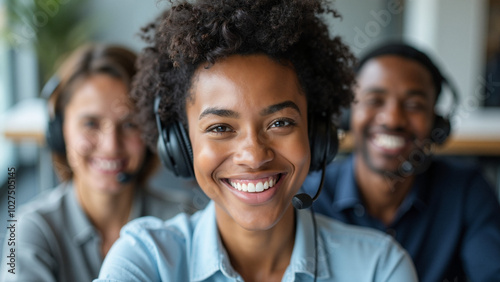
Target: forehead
246	80
394	70
101	93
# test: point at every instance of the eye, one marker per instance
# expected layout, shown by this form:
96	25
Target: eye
374	101
219	129
282	123
129	125
90	124
415	106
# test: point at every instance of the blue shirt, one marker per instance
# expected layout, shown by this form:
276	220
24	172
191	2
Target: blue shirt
449	222
189	249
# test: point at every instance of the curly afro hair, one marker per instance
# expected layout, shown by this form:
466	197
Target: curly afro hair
189	35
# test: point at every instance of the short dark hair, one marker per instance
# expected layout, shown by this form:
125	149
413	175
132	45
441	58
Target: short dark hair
192	34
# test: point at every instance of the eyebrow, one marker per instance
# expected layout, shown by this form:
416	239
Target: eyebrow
218	112
417	92
267	111
278	107
411	92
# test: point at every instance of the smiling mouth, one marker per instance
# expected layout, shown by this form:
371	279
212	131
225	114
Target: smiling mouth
107	164
387	141
254	185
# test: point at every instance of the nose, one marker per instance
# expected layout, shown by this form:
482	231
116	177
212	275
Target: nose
109	140
253	151
392	116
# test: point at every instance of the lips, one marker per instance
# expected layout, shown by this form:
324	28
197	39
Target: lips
254	185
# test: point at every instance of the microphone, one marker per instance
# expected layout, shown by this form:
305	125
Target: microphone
303	200
124	177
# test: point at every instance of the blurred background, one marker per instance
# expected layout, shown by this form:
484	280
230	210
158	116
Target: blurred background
462	36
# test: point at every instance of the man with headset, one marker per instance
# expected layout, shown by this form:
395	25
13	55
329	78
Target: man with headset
443	213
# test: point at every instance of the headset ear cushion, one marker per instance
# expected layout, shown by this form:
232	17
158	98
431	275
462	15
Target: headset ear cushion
54	135
174	150
441	130
323	141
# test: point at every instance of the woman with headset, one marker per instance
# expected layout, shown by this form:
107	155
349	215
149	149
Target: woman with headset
241	94
103	163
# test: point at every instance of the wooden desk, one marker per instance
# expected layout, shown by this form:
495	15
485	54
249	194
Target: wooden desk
26	121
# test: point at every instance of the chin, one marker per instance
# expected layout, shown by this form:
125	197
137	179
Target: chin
260	219
109	187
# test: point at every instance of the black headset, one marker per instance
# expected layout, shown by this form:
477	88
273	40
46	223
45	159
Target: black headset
54	132
175	152
441	129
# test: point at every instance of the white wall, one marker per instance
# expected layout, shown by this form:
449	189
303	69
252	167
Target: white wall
454	32
367	23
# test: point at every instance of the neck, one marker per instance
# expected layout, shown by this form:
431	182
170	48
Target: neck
382	193
260	255
108	212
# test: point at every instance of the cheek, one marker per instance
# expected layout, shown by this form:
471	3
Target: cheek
78	146
360	118
207	157
297	151
422	125
134	144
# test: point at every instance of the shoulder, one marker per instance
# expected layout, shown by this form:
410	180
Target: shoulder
149	228
445	167
339	233
149	247
48	201
47	208
459	178
363	252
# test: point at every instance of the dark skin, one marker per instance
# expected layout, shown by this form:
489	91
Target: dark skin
247	122
392	115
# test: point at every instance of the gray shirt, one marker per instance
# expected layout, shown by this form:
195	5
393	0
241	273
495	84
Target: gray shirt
55	241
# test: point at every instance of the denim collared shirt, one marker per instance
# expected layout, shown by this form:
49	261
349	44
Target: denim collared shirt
189	249
449	222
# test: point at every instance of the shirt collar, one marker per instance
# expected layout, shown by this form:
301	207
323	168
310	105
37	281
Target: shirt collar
418	193
348	193
303	255
209	255
80	227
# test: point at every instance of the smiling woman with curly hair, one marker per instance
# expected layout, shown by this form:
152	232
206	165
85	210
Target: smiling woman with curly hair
241	96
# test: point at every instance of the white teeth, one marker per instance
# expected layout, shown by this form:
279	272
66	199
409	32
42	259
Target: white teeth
110	165
259	187
255	187
251	187
389	141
